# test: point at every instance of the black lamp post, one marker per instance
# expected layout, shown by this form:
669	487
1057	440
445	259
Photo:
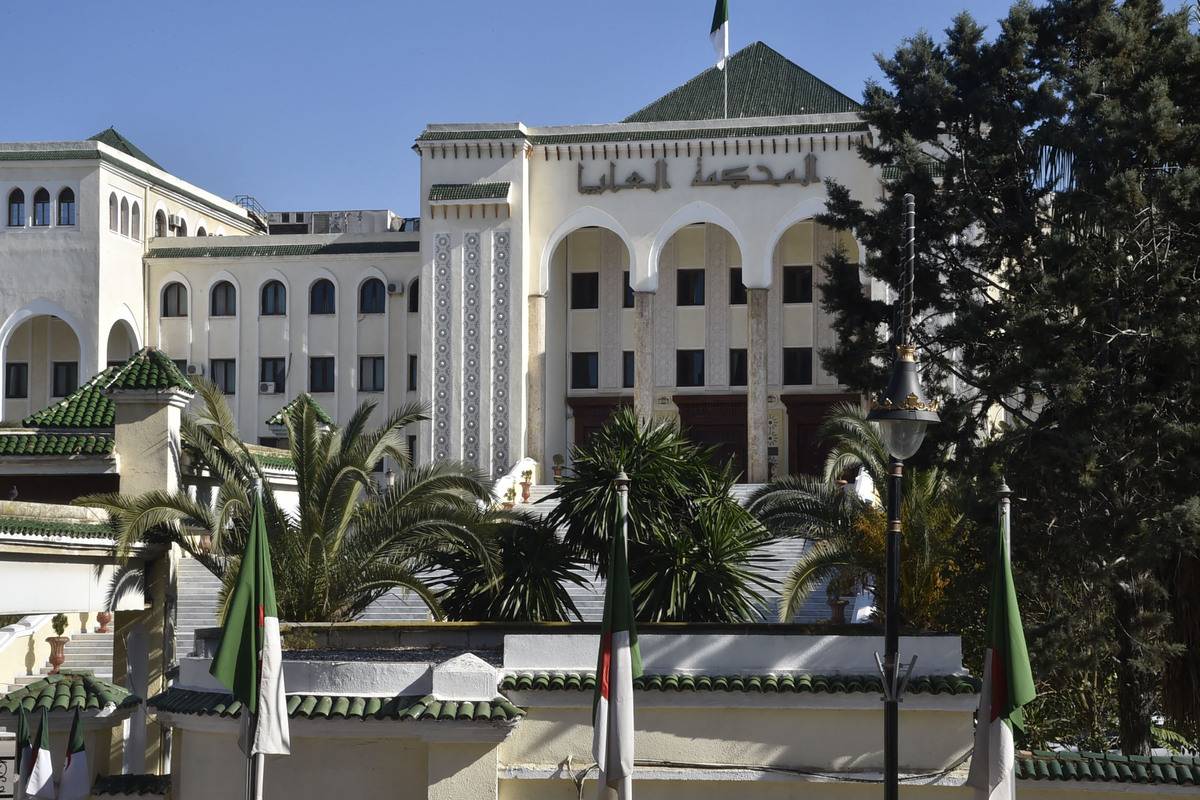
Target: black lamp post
903	413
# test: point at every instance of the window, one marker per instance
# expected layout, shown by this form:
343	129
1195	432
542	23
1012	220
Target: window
299	216
160	224
174	300
135	221
412	448
16	380
689	288
270	441
320	373
737	289
585	290
585	370
412	373
274	299
627	298
114	223
321	297
273	370
16	209
224	374
414	296
797	366
689	367
223	300
737	366
370	373
201	232
180	364
371	296
41	208
66	377
66	207
797	284
124	216
181	228
285	216
628	369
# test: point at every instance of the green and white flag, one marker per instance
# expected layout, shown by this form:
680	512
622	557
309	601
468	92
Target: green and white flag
720	32
24	748
76	781
249	658
1007	682
40	781
620	661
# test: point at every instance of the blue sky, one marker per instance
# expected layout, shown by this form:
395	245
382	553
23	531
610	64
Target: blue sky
312	105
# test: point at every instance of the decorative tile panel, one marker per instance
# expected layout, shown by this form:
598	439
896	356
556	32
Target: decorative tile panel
442	364
501	330
470	347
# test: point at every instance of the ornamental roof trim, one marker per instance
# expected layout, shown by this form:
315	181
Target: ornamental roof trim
767	683
68	691
401	708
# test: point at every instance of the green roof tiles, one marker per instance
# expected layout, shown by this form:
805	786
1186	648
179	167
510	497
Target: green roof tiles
725	132
271	456
27	526
86	407
442	192
67	691
276	250
767	683
762	83
36	443
312	706
304	398
149	370
487	133
136	785
1045	765
113	138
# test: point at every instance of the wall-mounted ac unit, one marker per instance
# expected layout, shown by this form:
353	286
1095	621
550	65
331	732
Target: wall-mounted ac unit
195	369
266	387
174	221
395	288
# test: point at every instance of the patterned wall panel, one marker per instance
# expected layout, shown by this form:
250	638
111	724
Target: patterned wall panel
442	361
470	345
501	356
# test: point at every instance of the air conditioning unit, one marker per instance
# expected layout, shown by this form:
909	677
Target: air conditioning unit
266	387
195	369
395	288
174	221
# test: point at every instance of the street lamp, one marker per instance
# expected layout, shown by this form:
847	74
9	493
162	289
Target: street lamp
902	413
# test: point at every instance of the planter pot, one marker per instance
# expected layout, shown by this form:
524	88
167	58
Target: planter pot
525	491
104	617
838	606
57	654
558	473
506	505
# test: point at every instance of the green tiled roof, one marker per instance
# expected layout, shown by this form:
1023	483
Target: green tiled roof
271	456
468	191
132	784
67	691
701	133
86	407
149	369
46	155
449	136
26	526
304	398
769	683
1045	765
936	168
54	444
762	83
315	706
113	138
270	250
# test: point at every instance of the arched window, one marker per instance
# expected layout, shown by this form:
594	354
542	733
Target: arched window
414	296
160	223
174	300
223	302
135	220
371	296
41	208
321	297
274	299
66	207
124	216
182	229
114	223
16	208
201	232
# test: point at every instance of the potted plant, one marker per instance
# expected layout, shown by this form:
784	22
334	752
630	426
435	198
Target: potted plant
526	482
58	642
103	617
558	467
842	587
510	498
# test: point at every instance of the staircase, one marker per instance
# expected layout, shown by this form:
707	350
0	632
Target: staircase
197	603
86	652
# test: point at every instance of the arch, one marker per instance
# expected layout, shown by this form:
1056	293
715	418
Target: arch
322	297
42	213
124	216
160	223
201	231
122	341
372	295
585	217
135	220
114	222
67	211
181	229
414	296
43	307
222	298
272	298
16	209
174	300
806	209
692	213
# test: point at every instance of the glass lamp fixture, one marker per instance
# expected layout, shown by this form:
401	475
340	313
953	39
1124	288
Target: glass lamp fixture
902	411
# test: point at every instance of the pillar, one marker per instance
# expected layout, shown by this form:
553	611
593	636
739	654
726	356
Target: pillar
756	386
535	381
643	355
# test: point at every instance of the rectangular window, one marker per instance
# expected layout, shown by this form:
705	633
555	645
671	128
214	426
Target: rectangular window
797	366
320	373
585	290
66	377
269	441
689	287
286	216
797	284
299	216
689	367
737	366
224	374
180	364
273	370
737	289
370	373
412	448
627	298
585	370
412	373
16	380
628	369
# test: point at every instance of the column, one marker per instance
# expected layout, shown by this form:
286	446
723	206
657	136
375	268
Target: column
643	354
756	386
535	381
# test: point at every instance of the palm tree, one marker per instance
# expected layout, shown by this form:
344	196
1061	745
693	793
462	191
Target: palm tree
349	540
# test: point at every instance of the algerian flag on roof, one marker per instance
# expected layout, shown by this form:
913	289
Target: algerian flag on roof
40	781
720	32
24	743
76	781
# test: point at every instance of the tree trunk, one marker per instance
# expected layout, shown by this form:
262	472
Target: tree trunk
1135	687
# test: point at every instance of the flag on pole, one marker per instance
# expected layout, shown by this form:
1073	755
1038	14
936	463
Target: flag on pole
40	780
76	781
620	661
720	32
249	656
1007	680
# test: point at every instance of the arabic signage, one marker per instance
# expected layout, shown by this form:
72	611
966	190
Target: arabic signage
732	177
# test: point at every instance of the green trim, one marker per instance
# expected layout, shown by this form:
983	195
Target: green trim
304	398
703	133
149	369
450	136
765	684
317	706
1046	765
113	138
67	691
48	155
272	250
29	526
440	192
137	785
55	444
